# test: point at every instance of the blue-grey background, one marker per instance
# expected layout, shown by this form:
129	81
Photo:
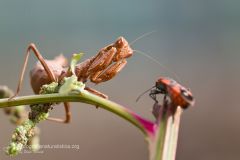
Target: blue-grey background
198	40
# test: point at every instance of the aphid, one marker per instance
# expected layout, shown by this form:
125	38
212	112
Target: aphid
179	95
102	67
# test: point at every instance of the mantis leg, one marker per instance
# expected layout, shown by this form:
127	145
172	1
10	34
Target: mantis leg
67	115
93	91
49	72
96	92
109	73
42	61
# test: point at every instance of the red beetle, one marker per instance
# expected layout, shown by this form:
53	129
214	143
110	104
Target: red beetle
179	95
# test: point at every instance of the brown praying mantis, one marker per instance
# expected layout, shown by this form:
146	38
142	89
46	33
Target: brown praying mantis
107	63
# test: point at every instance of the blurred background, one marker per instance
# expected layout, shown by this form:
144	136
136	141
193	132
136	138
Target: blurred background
198	40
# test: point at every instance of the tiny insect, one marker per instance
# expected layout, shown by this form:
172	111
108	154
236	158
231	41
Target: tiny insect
179	95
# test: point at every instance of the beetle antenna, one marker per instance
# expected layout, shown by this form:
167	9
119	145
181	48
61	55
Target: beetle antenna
143	93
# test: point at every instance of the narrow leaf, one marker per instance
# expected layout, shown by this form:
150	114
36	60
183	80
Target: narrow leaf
74	61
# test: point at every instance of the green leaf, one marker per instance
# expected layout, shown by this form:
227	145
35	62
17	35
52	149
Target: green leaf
74	61
71	84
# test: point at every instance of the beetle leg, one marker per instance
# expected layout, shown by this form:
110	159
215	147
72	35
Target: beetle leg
153	94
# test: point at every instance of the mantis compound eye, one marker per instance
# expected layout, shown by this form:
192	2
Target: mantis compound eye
123	49
121	42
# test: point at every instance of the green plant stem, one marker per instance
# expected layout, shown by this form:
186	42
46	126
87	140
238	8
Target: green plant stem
174	129
84	97
162	137
164	144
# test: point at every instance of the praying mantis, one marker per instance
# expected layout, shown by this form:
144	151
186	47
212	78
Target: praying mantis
107	63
